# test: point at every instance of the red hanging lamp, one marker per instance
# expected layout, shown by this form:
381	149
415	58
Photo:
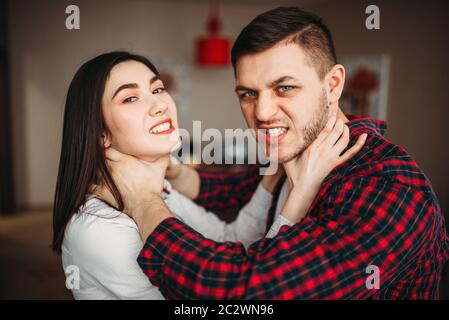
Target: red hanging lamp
213	50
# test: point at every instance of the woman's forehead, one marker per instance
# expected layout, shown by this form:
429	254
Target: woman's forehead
129	71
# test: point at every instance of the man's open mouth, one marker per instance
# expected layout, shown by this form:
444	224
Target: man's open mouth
274	133
162	127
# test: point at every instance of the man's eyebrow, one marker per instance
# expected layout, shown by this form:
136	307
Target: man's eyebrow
242	88
270	85
132	86
280	80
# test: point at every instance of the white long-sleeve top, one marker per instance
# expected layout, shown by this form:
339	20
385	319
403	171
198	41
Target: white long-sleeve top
104	243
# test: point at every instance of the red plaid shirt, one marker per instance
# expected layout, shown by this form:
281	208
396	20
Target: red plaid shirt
376	209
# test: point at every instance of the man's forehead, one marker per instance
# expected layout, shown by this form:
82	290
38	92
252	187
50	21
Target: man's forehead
271	64
266	82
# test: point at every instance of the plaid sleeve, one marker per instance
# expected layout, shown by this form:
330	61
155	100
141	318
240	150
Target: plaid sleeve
227	190
368	221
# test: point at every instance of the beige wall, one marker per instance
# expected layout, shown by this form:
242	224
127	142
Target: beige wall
45	56
415	35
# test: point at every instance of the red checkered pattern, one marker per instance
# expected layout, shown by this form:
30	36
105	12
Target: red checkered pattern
376	209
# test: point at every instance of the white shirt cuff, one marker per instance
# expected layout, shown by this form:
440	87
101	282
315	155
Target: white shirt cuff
277	224
260	202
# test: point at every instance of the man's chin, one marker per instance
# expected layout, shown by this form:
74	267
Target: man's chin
283	157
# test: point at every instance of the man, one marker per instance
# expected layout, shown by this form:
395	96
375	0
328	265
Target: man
376	212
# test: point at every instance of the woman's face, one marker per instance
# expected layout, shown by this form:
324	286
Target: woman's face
139	113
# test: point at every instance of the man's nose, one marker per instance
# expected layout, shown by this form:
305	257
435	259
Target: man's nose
265	108
158	107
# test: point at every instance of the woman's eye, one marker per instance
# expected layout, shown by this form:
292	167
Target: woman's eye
130	99
159	90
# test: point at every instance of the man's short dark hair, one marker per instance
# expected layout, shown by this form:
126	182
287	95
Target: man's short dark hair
293	25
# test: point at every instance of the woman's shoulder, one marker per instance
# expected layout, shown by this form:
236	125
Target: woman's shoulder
104	243
95	213
97	229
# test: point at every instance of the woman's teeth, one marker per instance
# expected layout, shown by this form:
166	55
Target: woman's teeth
274	132
161	128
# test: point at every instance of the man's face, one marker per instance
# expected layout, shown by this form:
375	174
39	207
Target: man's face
281	93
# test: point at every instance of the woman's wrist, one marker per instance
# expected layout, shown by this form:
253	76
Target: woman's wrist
268	184
187	181
298	203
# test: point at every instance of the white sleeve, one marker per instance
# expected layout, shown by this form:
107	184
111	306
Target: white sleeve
107	250
277	224
249	226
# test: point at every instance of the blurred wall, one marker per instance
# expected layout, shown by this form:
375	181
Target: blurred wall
416	36
45	56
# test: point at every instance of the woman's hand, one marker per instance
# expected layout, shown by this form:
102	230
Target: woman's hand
183	178
270	181
136	179
307	172
174	169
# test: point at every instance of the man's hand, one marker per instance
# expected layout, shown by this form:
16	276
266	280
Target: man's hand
134	178
140	183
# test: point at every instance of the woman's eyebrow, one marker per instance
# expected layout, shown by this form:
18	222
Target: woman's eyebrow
133	86
154	79
125	86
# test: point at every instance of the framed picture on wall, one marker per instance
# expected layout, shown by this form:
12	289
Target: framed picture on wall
366	88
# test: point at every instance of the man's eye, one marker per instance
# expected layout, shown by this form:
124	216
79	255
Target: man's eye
130	99
159	90
285	88
247	94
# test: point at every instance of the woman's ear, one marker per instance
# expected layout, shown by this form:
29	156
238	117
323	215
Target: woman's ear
106	140
335	80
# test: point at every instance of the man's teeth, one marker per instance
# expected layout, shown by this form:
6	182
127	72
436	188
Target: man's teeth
274	132
161	128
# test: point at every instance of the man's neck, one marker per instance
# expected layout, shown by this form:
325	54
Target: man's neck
341	115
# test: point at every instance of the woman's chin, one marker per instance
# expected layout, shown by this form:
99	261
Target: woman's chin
162	152
153	157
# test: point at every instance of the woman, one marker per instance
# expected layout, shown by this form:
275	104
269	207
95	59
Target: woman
118	100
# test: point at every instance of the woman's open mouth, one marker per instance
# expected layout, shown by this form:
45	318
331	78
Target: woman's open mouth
162	127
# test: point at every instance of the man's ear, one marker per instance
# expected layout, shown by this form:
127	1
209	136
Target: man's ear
106	140
335	81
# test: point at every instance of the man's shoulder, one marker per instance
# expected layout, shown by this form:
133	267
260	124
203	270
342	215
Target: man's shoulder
380	158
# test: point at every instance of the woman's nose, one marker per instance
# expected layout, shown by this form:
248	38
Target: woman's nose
158	108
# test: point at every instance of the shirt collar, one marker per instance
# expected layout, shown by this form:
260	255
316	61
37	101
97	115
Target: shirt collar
358	125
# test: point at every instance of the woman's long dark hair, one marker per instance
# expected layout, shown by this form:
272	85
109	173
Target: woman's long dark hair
83	162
